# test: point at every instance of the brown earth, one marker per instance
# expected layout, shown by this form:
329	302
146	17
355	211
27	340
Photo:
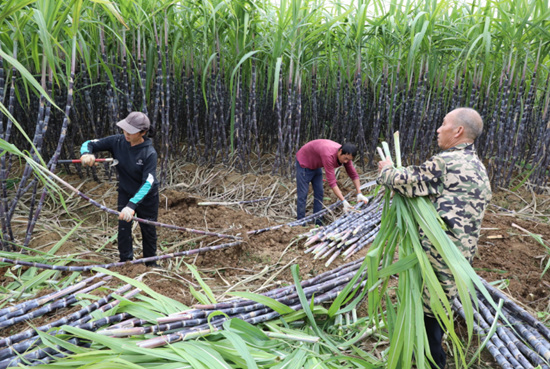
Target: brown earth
507	253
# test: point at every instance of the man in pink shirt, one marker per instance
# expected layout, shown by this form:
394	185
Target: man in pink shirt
310	160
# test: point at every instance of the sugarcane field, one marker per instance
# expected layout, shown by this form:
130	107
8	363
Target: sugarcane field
275	184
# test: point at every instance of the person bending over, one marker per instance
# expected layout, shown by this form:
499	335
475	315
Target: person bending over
310	160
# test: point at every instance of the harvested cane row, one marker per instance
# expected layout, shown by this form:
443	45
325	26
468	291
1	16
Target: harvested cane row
524	344
22	347
348	234
519	340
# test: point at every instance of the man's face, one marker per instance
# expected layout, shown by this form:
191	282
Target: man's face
446	133
344	158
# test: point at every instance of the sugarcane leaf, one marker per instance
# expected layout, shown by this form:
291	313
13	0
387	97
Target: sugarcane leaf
241	348
120	346
206	355
489	334
401	265
295	360
205	287
30	79
64	239
56	342
249	332
168	305
267	301
201	298
189	357
139	310
276	79
204	76
305	306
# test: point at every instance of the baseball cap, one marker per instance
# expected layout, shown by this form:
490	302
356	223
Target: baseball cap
135	122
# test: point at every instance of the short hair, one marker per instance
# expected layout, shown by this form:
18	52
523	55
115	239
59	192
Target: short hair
470	120
349	148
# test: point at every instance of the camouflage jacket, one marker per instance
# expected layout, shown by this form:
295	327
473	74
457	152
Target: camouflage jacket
457	183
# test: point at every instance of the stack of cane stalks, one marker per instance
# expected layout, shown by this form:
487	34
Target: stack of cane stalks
515	338
348	234
29	348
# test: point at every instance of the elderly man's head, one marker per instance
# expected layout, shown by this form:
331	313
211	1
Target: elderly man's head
462	125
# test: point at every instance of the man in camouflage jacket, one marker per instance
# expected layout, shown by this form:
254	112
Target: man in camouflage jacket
457	183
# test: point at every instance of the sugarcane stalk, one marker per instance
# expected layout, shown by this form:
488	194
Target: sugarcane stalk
64	302
117	264
500	359
31	304
85	311
146	221
229	203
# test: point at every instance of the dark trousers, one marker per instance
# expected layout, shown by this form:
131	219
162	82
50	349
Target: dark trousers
304	177
435	339
147	209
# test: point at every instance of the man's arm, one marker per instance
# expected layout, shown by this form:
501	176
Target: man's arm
422	180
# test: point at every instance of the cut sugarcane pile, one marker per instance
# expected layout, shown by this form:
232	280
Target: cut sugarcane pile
348	234
524	345
26	347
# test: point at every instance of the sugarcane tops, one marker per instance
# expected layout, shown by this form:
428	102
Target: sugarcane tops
136	167
458	185
323	153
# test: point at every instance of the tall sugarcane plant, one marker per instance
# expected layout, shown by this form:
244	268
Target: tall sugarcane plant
251	81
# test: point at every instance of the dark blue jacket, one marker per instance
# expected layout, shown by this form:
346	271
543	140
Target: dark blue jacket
136	166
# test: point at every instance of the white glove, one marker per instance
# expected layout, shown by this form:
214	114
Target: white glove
347	206
127	214
362	198
87	159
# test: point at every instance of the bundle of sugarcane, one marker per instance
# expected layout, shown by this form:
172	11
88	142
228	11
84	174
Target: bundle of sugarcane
348	234
200	320
21	347
514	338
520	331
402	220
66	296
322	288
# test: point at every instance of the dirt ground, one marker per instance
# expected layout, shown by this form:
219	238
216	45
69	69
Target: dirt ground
507	253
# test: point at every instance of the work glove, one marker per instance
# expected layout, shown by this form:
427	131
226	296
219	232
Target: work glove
347	206
87	159
127	214
362	198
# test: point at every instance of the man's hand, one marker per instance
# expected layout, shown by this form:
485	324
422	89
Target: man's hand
383	163
87	159
362	198
127	214
347	206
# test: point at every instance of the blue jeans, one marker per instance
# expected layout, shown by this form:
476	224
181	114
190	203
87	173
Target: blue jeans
303	177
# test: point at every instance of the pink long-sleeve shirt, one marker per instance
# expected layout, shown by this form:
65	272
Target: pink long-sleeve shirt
324	154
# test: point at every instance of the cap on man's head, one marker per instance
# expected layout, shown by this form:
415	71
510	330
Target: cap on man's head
135	122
